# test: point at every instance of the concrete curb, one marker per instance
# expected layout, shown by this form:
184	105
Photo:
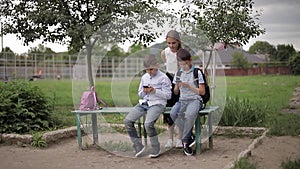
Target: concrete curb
49	137
246	153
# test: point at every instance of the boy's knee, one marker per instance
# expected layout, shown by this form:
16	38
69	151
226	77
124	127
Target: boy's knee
149	125
150	129
127	123
191	115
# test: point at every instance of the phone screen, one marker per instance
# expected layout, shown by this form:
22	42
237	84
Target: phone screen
146	86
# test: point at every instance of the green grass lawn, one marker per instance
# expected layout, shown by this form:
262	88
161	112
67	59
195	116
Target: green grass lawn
273	91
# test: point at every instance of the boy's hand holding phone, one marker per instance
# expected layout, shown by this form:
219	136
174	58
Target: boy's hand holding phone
148	89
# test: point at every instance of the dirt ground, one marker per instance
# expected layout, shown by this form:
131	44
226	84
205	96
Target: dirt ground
274	150
66	155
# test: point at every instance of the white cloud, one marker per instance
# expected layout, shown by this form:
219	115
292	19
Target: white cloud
281	21
17	45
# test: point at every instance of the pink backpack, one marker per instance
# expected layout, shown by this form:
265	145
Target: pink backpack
89	100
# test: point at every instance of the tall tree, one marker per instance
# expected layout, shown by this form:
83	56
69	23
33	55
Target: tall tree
7	55
73	22
239	60
115	50
284	52
294	63
263	48
136	47
225	21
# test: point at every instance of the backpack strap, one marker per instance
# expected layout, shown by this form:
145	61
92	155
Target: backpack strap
196	70
100	100
196	81
178	74
97	99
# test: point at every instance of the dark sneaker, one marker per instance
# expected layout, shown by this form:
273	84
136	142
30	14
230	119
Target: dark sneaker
155	152
139	149
187	150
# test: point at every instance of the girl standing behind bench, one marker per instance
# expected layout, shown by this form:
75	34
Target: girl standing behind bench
169	57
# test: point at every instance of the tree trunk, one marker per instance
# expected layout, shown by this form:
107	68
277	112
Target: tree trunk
89	48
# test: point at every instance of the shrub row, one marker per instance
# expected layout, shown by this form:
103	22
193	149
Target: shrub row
243	113
24	108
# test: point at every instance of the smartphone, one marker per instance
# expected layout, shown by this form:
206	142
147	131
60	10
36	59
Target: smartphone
146	86
177	81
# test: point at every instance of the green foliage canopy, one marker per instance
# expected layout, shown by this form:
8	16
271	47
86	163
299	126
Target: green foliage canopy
239	60
294	64
284	52
264	48
71	22
227	21
76	21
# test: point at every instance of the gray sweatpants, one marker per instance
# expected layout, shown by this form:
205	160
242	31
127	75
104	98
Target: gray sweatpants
152	114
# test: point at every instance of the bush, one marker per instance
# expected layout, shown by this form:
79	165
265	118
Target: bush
284	124
291	164
243	113
294	64
243	163
38	141
23	108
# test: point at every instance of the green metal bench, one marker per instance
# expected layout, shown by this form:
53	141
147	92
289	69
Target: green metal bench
124	110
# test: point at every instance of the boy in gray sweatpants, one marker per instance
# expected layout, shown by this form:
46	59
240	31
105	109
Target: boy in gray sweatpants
154	91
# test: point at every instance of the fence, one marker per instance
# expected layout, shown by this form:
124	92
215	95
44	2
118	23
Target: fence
28	66
50	66
265	70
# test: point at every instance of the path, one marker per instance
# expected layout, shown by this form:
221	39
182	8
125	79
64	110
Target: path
275	150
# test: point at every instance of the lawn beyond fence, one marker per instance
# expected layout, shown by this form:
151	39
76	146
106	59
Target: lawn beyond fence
272	92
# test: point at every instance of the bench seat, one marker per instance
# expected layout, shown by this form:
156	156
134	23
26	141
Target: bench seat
124	110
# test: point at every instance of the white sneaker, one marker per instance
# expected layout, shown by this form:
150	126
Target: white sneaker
179	143
169	143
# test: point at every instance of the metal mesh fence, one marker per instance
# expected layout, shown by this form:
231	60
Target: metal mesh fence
52	66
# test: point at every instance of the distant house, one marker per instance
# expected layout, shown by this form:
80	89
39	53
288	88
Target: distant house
226	58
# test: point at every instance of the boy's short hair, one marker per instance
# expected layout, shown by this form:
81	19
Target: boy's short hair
150	61
183	55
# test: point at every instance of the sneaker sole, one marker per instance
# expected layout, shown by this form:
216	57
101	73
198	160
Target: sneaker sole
188	154
154	155
168	147
140	152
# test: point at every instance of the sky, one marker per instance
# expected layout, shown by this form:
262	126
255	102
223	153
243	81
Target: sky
280	19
